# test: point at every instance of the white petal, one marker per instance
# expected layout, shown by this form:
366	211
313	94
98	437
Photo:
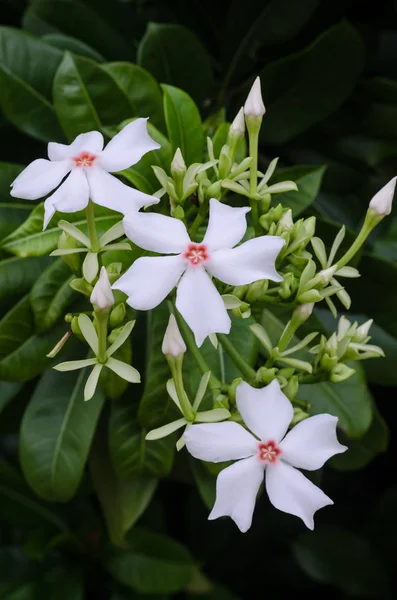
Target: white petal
312	442
218	442
293	493
127	147
236	490
247	263
71	196
201	305
156	233
107	190
267	412
226	226
89	142
150	280
39	178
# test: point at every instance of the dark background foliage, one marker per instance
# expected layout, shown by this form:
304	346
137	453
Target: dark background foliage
328	71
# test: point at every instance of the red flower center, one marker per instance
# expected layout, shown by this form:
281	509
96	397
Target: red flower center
84	159
268	452
196	254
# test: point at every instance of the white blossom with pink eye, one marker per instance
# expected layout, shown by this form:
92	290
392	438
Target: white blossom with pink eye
150	279
268	451
88	167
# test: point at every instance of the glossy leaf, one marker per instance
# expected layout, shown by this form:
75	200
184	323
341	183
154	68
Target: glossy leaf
160	53
8	172
154	564
25	96
51	295
141	89
307	178
183	122
66	42
56	434
8	390
86	97
17	275
302	89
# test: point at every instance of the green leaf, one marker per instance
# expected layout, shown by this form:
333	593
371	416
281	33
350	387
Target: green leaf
338	557
9	172
160	53
12	215
156	407
66	42
183	122
30	239
17	275
56	434
122	501
22	351
141	89
307	178
205	481
98	23
19	505
251	24
154	564
303	89
361	452
8	390
86	97
51	294
350	401
131	454
25	85
112	384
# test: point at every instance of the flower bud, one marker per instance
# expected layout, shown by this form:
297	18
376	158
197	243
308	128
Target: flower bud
117	315
232	390
173	344
363	330
76	329
254	106
178	212
382	202
340	373
178	165
299	415
237	128
286	223
102	296
303	312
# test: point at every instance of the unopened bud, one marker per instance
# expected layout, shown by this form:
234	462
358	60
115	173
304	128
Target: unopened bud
286	223
254	106
237	128
102	296
178	212
363	330
232	390
117	315
76	329
340	373
326	275
178	165
173	344
303	312
382	202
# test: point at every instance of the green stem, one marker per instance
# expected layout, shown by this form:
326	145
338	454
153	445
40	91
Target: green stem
369	223
102	322
253	125
214	383
196	224
176	370
246	370
92	234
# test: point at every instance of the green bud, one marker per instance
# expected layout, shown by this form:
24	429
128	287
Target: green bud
299	415
113	270
309	297
240	291
292	387
222	401
225	163
328	362
310	226
117	315
178	212
76	329
68	317
232	390
273	216
178	166
340	373
286	372
257	290
285	290
214	190
67	242
265	375
113	335
302	312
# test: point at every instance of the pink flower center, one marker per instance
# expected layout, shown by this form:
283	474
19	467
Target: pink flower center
84	159
268	452
196	254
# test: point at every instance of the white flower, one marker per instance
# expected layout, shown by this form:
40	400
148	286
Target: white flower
267	413
89	168
151	279
178	164
173	343
102	295
382	202
238	125
254	106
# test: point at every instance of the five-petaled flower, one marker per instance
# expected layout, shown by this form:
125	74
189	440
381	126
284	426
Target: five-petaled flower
88	167
267	413
150	279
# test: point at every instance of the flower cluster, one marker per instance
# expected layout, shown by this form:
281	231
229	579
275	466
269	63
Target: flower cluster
213	235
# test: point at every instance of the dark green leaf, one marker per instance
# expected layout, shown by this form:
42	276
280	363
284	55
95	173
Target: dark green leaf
307	178
65	42
154	564
302	89
183	122
12	215
8	390
25	95
8	172
56	434
142	91
51	294
341	558
175	55
86	97
205	481
131	454
112	384
17	275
